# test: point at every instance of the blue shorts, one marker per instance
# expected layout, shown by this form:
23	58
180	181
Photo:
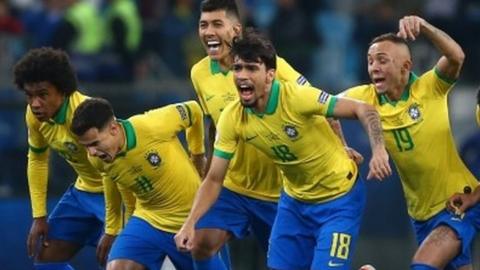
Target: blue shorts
78	217
316	235
465	229
239	214
141	242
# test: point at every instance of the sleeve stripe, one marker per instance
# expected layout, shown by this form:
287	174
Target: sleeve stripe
331	106
221	154
189	114
37	150
443	78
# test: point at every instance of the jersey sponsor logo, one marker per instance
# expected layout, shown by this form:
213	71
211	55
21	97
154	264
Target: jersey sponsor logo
229	97
414	112
153	158
71	147
291	131
302	80
331	263
323	97
272	137
181	110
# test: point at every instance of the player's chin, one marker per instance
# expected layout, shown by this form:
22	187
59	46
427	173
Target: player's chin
247	103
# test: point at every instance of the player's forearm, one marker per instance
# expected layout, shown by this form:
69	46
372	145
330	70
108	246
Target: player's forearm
206	196
210	142
37	174
370	120
444	43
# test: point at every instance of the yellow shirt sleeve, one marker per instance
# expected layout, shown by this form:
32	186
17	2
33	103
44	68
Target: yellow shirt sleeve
310	101
227	137
37	166
478	115
285	72
113	207
195	132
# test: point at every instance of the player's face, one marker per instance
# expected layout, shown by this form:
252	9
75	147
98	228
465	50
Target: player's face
44	99
385	66
251	80
101	143
216	31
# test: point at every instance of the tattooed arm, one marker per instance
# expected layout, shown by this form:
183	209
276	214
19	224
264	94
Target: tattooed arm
368	116
337	128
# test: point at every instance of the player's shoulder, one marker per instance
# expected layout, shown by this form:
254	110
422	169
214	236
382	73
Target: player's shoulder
362	92
201	68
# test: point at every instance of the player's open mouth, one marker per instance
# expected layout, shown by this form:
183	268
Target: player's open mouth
378	82
213	46
39	115
246	91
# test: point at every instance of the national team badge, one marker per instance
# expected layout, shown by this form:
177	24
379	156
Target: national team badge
153	158
71	147
291	131
414	112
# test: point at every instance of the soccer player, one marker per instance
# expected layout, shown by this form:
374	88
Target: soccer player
252	185
319	211
143	155
49	82
416	127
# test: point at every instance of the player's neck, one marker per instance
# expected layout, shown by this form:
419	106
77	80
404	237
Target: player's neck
225	63
121	139
397	91
262	101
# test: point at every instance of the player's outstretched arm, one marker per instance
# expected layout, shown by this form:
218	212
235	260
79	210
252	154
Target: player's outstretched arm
206	195
450	64
368	116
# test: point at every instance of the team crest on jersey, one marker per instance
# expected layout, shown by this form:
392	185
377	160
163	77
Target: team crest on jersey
414	112
291	131
71	147
153	158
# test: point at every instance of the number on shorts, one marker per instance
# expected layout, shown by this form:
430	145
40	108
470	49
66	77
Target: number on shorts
340	245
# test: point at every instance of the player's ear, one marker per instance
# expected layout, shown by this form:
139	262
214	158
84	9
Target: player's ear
407	66
237	29
270	74
114	128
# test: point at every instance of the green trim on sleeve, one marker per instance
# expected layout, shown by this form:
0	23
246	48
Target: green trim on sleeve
331	106
443	78
189	114
221	154
37	150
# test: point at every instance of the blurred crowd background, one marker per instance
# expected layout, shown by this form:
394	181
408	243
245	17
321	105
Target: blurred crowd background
138	54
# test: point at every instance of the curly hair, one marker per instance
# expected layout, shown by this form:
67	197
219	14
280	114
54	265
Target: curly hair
46	64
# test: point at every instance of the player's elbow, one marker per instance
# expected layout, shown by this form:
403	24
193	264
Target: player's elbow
458	57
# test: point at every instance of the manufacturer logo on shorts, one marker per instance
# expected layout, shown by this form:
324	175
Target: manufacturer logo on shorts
71	146
153	158
331	263
414	112
291	131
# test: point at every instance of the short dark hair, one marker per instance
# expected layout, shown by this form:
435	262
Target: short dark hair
229	6
46	64
392	37
253	46
91	113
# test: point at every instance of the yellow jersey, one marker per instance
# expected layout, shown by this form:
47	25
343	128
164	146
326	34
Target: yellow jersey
419	139
55	134
294	133
155	167
250	172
